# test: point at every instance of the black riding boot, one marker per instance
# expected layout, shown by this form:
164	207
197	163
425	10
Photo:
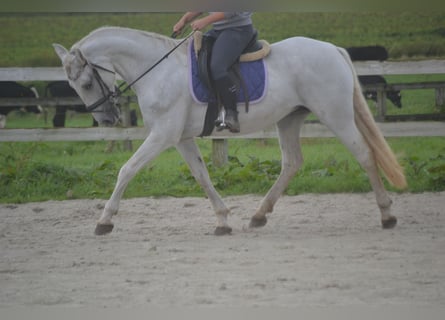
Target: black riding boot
227	91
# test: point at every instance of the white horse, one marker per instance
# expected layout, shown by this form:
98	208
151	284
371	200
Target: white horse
305	75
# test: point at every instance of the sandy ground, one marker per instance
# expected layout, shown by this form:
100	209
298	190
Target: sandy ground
316	250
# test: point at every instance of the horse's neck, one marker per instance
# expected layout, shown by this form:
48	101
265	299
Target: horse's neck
130	51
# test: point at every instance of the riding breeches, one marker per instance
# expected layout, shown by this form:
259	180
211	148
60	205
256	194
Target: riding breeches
228	46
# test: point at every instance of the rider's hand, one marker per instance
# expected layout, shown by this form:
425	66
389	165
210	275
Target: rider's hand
178	26
199	24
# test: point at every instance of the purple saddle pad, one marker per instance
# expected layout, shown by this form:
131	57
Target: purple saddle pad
254	74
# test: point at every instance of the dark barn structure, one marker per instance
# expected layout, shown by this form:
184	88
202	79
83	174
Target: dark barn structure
11	89
374	53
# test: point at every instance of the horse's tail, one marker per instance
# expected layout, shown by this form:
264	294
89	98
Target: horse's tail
383	155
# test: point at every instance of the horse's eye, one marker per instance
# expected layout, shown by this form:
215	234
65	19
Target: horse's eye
87	86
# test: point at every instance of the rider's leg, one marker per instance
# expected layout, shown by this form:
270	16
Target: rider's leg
228	46
228	94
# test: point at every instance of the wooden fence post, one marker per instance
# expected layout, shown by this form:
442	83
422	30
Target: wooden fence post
219	152
126	123
440	97
381	103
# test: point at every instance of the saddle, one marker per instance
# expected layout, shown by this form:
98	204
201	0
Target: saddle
255	50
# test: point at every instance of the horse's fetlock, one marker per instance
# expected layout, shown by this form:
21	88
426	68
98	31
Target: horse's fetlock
386	204
223	213
267	207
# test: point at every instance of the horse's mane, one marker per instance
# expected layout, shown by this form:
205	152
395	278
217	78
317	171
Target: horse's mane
122	30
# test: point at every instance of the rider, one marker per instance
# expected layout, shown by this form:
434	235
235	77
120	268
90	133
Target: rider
232	31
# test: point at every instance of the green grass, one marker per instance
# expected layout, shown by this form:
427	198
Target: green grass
42	171
404	34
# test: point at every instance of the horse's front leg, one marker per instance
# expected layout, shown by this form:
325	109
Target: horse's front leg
151	147
191	154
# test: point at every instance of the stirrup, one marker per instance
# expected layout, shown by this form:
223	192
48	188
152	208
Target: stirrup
220	123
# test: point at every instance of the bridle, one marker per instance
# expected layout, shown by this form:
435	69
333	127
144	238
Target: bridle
107	94
113	96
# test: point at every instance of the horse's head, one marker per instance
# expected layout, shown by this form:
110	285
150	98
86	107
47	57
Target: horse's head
93	82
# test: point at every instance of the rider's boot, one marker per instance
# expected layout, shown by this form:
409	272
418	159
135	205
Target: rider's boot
227	92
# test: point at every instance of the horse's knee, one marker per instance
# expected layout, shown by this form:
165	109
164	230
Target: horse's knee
126	172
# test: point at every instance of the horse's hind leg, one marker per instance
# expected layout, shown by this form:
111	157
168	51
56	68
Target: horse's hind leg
292	159
355	142
190	152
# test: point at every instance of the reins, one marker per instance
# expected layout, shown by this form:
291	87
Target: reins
114	95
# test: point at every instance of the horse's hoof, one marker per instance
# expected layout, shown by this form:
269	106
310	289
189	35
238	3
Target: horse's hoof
102	229
389	223
221	231
257	222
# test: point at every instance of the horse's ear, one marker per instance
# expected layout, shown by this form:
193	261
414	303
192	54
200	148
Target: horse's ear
60	50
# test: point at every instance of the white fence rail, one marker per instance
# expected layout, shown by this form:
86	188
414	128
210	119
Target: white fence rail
417	128
309	130
32	74
400	67
362	68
